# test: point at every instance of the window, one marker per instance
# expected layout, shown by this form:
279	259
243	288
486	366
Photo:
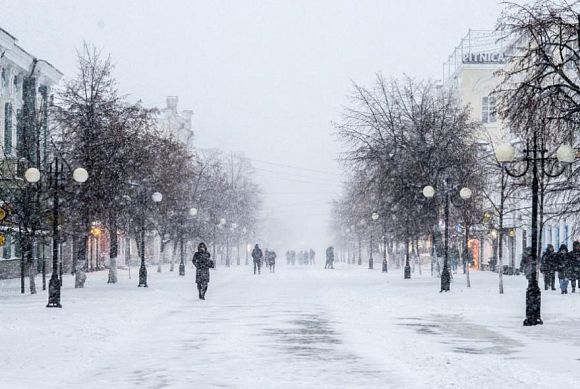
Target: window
488	109
7	128
7	249
4	82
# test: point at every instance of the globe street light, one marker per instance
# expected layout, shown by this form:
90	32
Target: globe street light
465	194
56	181
534	155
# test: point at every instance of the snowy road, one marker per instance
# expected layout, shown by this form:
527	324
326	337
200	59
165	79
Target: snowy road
299	328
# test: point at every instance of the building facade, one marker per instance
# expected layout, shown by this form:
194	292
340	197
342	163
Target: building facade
26	84
177	124
471	70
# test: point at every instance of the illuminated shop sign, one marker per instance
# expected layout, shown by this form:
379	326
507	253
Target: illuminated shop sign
483	58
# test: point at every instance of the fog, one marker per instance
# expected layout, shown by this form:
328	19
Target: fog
264	78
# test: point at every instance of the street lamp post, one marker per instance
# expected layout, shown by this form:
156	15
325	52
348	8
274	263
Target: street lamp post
361	223
55	174
374	218
156	197
234	227
244	232
465	194
533	154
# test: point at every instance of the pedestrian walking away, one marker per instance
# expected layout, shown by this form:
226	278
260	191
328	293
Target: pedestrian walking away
272	261
329	258
257	256
548	266
202	262
563	268
574	263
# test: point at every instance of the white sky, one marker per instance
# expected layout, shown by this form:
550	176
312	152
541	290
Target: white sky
263	77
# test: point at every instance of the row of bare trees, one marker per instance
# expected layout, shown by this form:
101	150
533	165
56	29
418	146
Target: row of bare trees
128	158
401	135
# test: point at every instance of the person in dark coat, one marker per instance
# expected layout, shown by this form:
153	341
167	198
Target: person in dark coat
526	263
548	267
574	264
562	260
329	258
202	262
257	256
272	261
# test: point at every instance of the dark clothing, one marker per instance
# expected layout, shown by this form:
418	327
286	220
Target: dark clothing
526	265
329	258
257	256
202	263
548	266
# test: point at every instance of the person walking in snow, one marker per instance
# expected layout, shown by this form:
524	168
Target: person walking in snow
574	263
272	261
257	256
329	258
527	262
312	256
548	267
202	262
563	268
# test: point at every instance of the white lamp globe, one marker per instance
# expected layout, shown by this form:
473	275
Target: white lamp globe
80	175
505	153
157	197
193	211
566	154
375	216
428	191
32	175
222	221
465	193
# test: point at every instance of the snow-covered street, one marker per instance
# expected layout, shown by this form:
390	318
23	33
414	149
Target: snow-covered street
302	327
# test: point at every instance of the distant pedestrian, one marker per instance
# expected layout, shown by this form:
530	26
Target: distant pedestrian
574	263
257	256
548	266
312	257
202	262
526	264
563	259
272	261
329	258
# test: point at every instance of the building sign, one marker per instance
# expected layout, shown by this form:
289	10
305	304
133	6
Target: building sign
483	58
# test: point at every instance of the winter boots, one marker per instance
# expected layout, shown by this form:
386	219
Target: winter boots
201	289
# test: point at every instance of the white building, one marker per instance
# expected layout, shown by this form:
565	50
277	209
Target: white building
25	86
175	123
471	70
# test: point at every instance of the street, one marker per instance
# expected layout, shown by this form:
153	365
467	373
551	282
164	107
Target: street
302	327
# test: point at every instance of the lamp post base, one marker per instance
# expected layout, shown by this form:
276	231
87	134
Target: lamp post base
385	267
445	280
54	292
142	276
181	269
407	272
370	263
533	306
